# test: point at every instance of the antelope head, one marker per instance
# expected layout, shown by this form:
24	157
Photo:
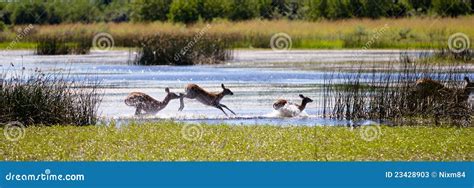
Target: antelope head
305	99
226	91
170	95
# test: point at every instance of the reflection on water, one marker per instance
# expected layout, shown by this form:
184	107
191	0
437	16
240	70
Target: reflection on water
257	79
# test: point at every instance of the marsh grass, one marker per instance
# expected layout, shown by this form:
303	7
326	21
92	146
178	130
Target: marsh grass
350	33
63	44
163	141
392	96
445	53
183	49
46	99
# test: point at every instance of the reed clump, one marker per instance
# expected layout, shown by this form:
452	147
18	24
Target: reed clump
63	44
183	49
42	99
393	97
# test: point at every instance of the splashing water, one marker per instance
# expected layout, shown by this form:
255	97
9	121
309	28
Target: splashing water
289	110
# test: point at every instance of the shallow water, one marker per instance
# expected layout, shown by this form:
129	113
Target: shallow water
257	79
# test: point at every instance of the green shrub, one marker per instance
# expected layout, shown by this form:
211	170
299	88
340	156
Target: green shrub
451	8
375	8
117	12
244	10
2	26
26	13
210	9
82	11
184	11
151	10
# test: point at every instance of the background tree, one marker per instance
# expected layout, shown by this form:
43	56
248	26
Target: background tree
210	9
185	11
244	9
338	9
29	13
355	8
151	10
374	8
83	11
420	5
451	8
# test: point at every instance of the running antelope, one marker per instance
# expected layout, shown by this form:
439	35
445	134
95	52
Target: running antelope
193	91
282	102
143	102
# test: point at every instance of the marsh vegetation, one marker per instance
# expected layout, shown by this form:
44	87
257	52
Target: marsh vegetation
395	96
46	99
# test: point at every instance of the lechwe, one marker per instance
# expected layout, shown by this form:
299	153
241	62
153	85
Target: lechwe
288	109
146	103
193	91
426	87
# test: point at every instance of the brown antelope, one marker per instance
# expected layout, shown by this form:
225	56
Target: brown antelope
146	103
443	101
282	102
193	91
426	87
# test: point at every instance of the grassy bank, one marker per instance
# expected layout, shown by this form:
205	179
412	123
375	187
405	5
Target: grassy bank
167	141
418	33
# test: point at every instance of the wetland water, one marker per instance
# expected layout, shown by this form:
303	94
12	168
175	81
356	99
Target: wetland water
257	78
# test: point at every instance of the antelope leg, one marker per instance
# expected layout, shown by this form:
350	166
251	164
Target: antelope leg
220	108
138	110
227	108
181	102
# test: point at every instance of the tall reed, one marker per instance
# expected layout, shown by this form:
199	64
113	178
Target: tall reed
63	44
392	96
45	99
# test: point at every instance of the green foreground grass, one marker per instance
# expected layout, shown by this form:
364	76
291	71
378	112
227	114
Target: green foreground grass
164	141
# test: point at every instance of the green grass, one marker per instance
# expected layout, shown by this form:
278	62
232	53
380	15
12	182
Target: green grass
18	45
164	141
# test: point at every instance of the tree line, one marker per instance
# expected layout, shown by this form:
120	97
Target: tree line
189	11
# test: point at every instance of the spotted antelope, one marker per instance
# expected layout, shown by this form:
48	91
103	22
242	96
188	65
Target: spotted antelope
147	104
282	102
